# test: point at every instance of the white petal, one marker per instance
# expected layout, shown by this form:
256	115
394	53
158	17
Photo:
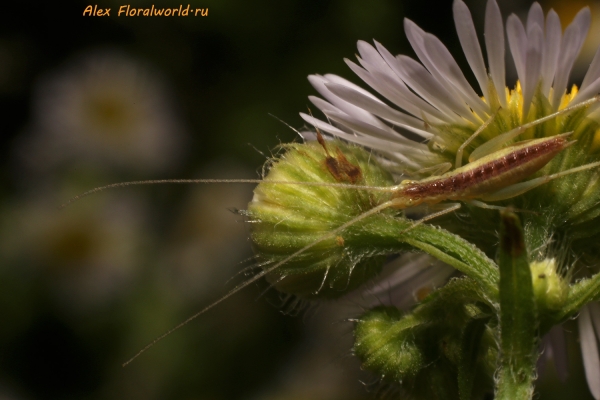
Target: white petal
318	83
327	108
571	45
379	109
532	66
341	81
494	43
594	309
383	146
552	51
387	135
593	71
383	76
317	123
470	44
386	140
535	17
421	81
322	104
438	101
372	57
589	351
449	69
394	89
517	41
416	36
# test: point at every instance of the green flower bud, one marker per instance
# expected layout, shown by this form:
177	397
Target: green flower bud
445	339
288	217
549	288
385	344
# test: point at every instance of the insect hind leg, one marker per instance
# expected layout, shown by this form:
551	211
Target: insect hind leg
486	206
450	208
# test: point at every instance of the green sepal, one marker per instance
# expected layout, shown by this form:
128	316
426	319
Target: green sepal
580	293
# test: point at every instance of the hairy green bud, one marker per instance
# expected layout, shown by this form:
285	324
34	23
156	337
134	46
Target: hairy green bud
289	217
385	343
549	288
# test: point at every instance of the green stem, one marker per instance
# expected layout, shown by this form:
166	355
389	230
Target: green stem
518	316
460	254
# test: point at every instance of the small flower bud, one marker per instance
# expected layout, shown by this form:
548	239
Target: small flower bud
288	217
385	343
549	288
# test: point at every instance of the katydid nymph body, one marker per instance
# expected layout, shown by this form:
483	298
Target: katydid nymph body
489	178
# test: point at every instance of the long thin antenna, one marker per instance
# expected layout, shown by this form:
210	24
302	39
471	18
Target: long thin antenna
187	181
263	273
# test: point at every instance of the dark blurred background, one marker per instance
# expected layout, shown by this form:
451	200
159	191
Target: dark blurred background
88	101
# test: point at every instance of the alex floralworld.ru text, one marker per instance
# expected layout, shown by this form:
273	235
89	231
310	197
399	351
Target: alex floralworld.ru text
128	11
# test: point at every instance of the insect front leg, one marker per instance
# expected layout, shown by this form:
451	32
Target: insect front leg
501	140
461	149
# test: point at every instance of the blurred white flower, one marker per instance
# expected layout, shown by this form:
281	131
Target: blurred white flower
87	255
107	109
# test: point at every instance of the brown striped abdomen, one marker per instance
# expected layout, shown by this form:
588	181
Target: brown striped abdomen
486	175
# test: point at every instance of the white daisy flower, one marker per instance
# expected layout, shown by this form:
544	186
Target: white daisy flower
429	107
105	109
425	110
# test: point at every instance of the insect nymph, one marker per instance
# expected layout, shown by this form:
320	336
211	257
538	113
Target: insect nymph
314	255
496	176
489	178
